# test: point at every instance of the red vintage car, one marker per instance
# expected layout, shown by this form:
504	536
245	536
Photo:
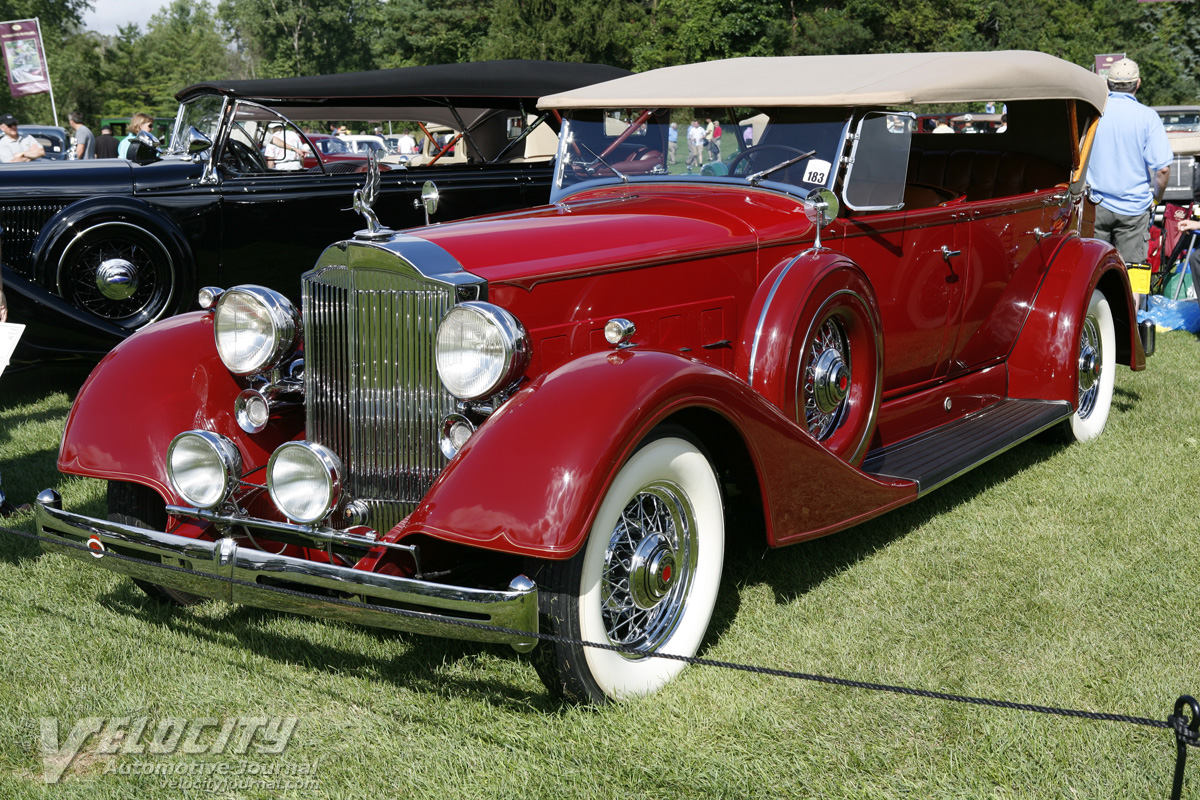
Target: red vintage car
539	420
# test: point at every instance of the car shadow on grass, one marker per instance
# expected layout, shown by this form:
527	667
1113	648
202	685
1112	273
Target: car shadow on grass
412	661
797	569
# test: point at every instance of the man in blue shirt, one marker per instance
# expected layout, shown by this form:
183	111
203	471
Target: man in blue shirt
1129	167
672	142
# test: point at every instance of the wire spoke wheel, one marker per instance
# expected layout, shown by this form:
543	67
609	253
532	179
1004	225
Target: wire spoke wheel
647	566
120	273
826	378
645	579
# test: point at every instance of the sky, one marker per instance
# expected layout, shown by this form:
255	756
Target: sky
109	15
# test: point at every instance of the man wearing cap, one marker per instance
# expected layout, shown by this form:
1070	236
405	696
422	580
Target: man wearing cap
1129	166
14	148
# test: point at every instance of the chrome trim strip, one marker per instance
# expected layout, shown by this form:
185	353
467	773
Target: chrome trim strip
762	317
214	564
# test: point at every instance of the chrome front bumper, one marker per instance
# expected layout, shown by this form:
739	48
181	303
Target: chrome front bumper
213	568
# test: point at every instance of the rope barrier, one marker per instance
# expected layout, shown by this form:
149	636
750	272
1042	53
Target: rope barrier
1187	732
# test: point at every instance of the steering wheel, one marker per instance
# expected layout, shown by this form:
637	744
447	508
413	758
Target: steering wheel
242	158
788	152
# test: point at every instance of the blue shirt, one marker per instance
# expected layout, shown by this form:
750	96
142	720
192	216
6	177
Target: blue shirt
1130	147
672	134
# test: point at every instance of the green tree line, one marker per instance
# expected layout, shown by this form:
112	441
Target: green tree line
144	65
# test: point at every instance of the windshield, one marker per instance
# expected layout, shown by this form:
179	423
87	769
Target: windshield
1188	121
795	150
203	114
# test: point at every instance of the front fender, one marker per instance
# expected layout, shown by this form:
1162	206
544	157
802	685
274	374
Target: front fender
1042	364
145	392
532	478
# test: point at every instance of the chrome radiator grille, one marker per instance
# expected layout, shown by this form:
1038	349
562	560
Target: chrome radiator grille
371	386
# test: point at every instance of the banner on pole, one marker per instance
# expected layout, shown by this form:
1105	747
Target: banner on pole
24	58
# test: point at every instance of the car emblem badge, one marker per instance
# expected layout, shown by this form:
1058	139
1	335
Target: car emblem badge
364	199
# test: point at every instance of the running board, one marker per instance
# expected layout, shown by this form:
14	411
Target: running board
931	459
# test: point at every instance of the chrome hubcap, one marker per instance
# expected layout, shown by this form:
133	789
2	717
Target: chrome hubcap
826	378
1091	358
652	571
117	279
831	381
648	566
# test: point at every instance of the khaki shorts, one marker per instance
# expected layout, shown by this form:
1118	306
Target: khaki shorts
1130	235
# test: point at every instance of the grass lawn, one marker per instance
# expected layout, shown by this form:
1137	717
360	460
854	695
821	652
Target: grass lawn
1055	575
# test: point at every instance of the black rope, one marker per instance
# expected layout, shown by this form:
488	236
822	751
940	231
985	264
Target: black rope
703	662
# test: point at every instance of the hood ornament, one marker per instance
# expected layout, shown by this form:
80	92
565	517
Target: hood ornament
364	199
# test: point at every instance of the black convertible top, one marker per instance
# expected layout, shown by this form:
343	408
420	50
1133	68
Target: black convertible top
361	95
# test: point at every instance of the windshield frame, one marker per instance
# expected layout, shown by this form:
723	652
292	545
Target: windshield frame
580	165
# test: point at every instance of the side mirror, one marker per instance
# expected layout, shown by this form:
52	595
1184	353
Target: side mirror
197	142
429	199
821	206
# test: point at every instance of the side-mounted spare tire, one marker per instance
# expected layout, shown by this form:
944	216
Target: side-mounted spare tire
118	270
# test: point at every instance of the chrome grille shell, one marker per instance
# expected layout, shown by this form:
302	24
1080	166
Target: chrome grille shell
370	312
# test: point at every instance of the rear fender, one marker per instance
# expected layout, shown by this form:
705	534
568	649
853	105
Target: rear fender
160	382
1042	364
533	476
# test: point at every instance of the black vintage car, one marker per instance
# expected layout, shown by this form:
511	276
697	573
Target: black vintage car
53	139
95	250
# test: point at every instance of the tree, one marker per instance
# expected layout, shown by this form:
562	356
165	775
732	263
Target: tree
304	37
184	46
565	30
421	32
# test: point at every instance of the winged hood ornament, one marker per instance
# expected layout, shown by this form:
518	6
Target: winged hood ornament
364	200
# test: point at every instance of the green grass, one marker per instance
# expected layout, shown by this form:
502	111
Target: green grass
1055	575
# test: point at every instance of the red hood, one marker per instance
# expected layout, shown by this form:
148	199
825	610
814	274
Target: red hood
611	228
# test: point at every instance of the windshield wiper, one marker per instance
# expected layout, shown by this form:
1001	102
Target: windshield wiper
624	178
754	179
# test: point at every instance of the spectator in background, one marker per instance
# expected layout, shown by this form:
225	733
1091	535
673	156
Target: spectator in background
1130	147
106	144
672	142
139	123
284	151
714	141
406	145
695	136
15	148
85	142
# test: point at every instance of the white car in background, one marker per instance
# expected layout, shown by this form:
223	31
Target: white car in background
366	143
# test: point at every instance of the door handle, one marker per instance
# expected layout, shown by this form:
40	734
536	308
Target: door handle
948	254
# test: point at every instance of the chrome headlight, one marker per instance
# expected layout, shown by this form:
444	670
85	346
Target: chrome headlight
481	349
203	467
255	329
305	481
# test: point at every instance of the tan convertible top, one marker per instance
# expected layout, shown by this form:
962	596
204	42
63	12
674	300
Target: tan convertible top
853	80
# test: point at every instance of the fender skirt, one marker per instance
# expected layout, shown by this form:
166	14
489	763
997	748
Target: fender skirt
532	478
